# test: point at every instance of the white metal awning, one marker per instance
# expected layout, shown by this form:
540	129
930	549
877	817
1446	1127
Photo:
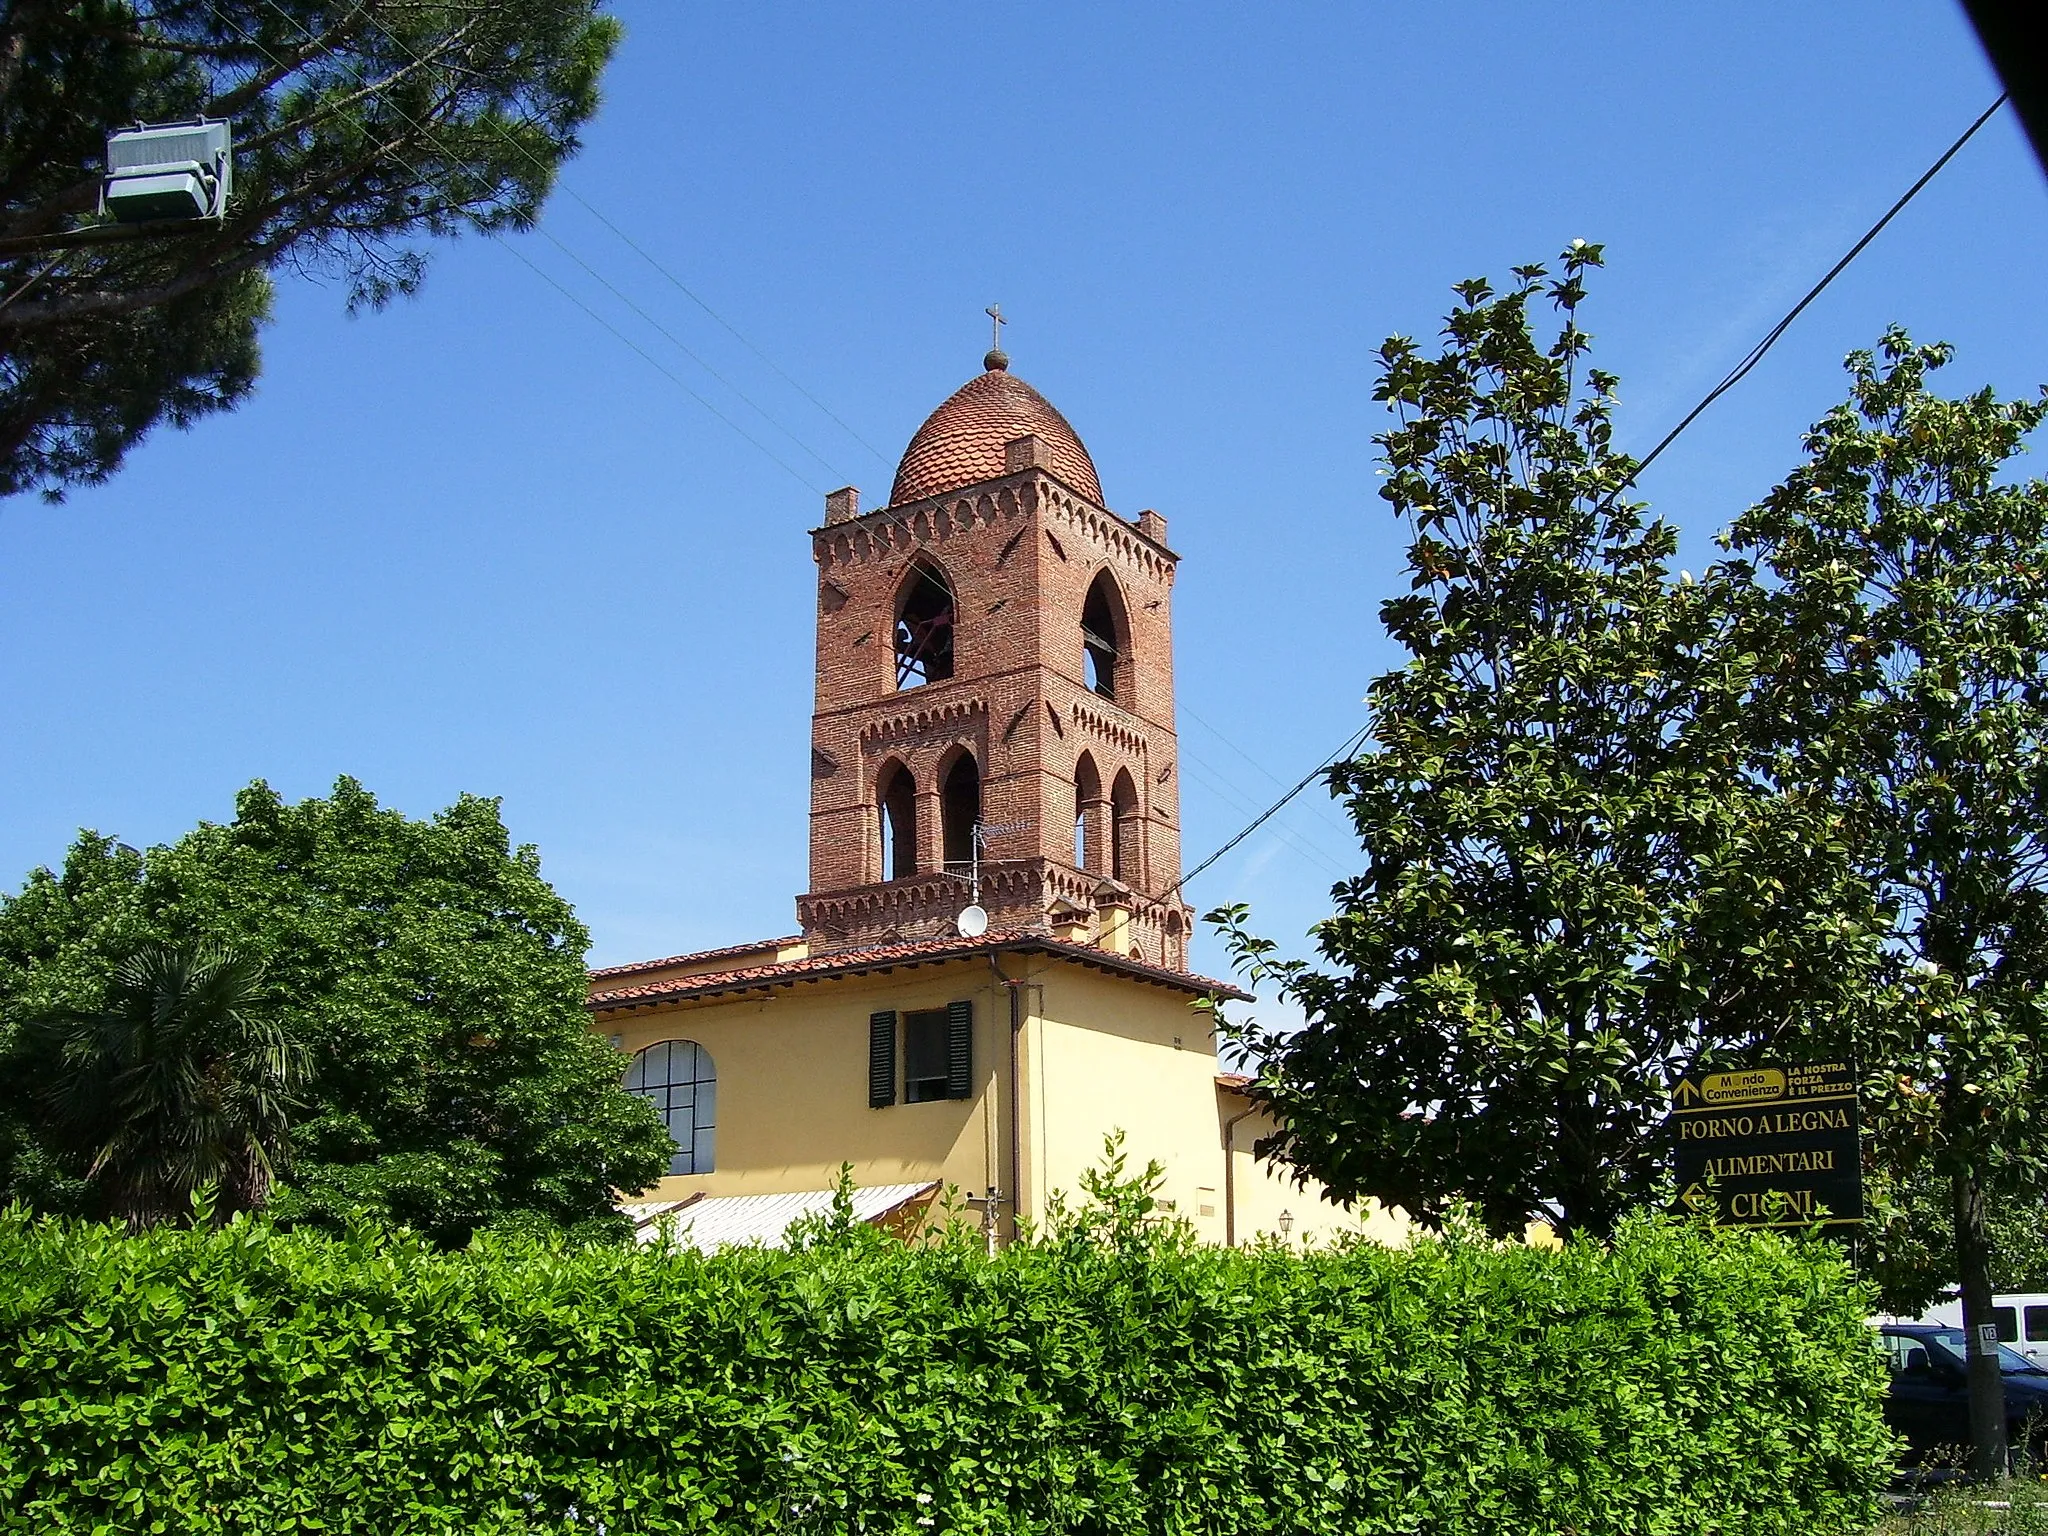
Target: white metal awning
722	1221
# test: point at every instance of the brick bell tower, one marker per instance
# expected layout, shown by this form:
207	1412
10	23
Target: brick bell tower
995	651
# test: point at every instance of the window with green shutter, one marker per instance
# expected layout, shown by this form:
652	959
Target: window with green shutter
882	1059
938	1055
959	1050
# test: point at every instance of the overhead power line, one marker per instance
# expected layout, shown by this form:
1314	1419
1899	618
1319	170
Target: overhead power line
1323	815
1197	772
1351	744
538	271
547	277
886	517
432	138
1735	376
1756	353
648	256
691	294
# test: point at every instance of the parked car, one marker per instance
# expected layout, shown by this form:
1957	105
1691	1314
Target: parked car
2021	1318
1929	1401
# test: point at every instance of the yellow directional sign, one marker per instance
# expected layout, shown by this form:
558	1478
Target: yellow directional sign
1769	1145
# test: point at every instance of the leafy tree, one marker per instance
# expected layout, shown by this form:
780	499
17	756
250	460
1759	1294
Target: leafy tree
435	977
361	130
1909	1239
1573	891
1900	602
177	1083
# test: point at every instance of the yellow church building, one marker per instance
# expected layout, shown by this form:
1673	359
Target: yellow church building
991	970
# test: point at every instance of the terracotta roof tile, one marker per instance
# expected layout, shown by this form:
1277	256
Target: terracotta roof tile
961	443
887	956
698	958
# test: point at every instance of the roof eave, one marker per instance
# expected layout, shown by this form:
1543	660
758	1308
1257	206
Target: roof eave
872	964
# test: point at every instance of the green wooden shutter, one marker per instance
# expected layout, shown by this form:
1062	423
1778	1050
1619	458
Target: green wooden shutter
959	1050
881	1059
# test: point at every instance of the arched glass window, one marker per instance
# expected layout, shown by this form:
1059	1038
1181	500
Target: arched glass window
896	800
960	811
678	1079
924	628
1103	637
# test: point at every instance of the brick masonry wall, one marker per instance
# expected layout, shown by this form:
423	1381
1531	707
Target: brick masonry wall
1020	553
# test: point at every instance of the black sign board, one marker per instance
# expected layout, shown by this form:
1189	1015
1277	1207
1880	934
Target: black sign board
1769	1146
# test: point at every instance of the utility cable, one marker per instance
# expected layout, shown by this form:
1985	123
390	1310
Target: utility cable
634	245
1196	771
1756	353
677	342
885	518
669	374
647	256
559	245
1184	708
33	278
1735	376
546	277
1351	744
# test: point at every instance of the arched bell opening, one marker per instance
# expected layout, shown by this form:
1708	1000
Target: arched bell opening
1089	843
1125	830
896	805
960	811
1105	639
924	627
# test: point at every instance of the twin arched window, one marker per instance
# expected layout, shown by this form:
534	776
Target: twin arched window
927	618
1107	829
679	1080
959	812
959	815
896	803
1087	814
1124	832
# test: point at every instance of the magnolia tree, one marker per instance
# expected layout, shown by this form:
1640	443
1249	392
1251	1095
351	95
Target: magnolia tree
1576	888
1896	595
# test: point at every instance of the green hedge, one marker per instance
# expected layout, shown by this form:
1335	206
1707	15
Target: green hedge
1098	1381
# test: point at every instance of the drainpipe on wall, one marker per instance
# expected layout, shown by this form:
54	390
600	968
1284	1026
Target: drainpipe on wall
1230	1175
1016	1191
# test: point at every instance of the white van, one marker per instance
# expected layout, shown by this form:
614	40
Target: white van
2022	1318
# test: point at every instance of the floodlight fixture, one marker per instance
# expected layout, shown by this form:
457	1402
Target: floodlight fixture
159	172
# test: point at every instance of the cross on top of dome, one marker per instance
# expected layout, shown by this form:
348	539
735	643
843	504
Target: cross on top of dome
962	442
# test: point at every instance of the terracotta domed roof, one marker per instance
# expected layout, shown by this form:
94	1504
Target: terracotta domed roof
961	443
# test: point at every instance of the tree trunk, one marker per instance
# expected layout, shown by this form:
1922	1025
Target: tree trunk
1986	1383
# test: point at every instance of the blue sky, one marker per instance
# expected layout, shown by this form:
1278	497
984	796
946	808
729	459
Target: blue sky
475	543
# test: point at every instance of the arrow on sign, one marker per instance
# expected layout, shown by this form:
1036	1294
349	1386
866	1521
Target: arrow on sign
1686	1092
1697	1198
